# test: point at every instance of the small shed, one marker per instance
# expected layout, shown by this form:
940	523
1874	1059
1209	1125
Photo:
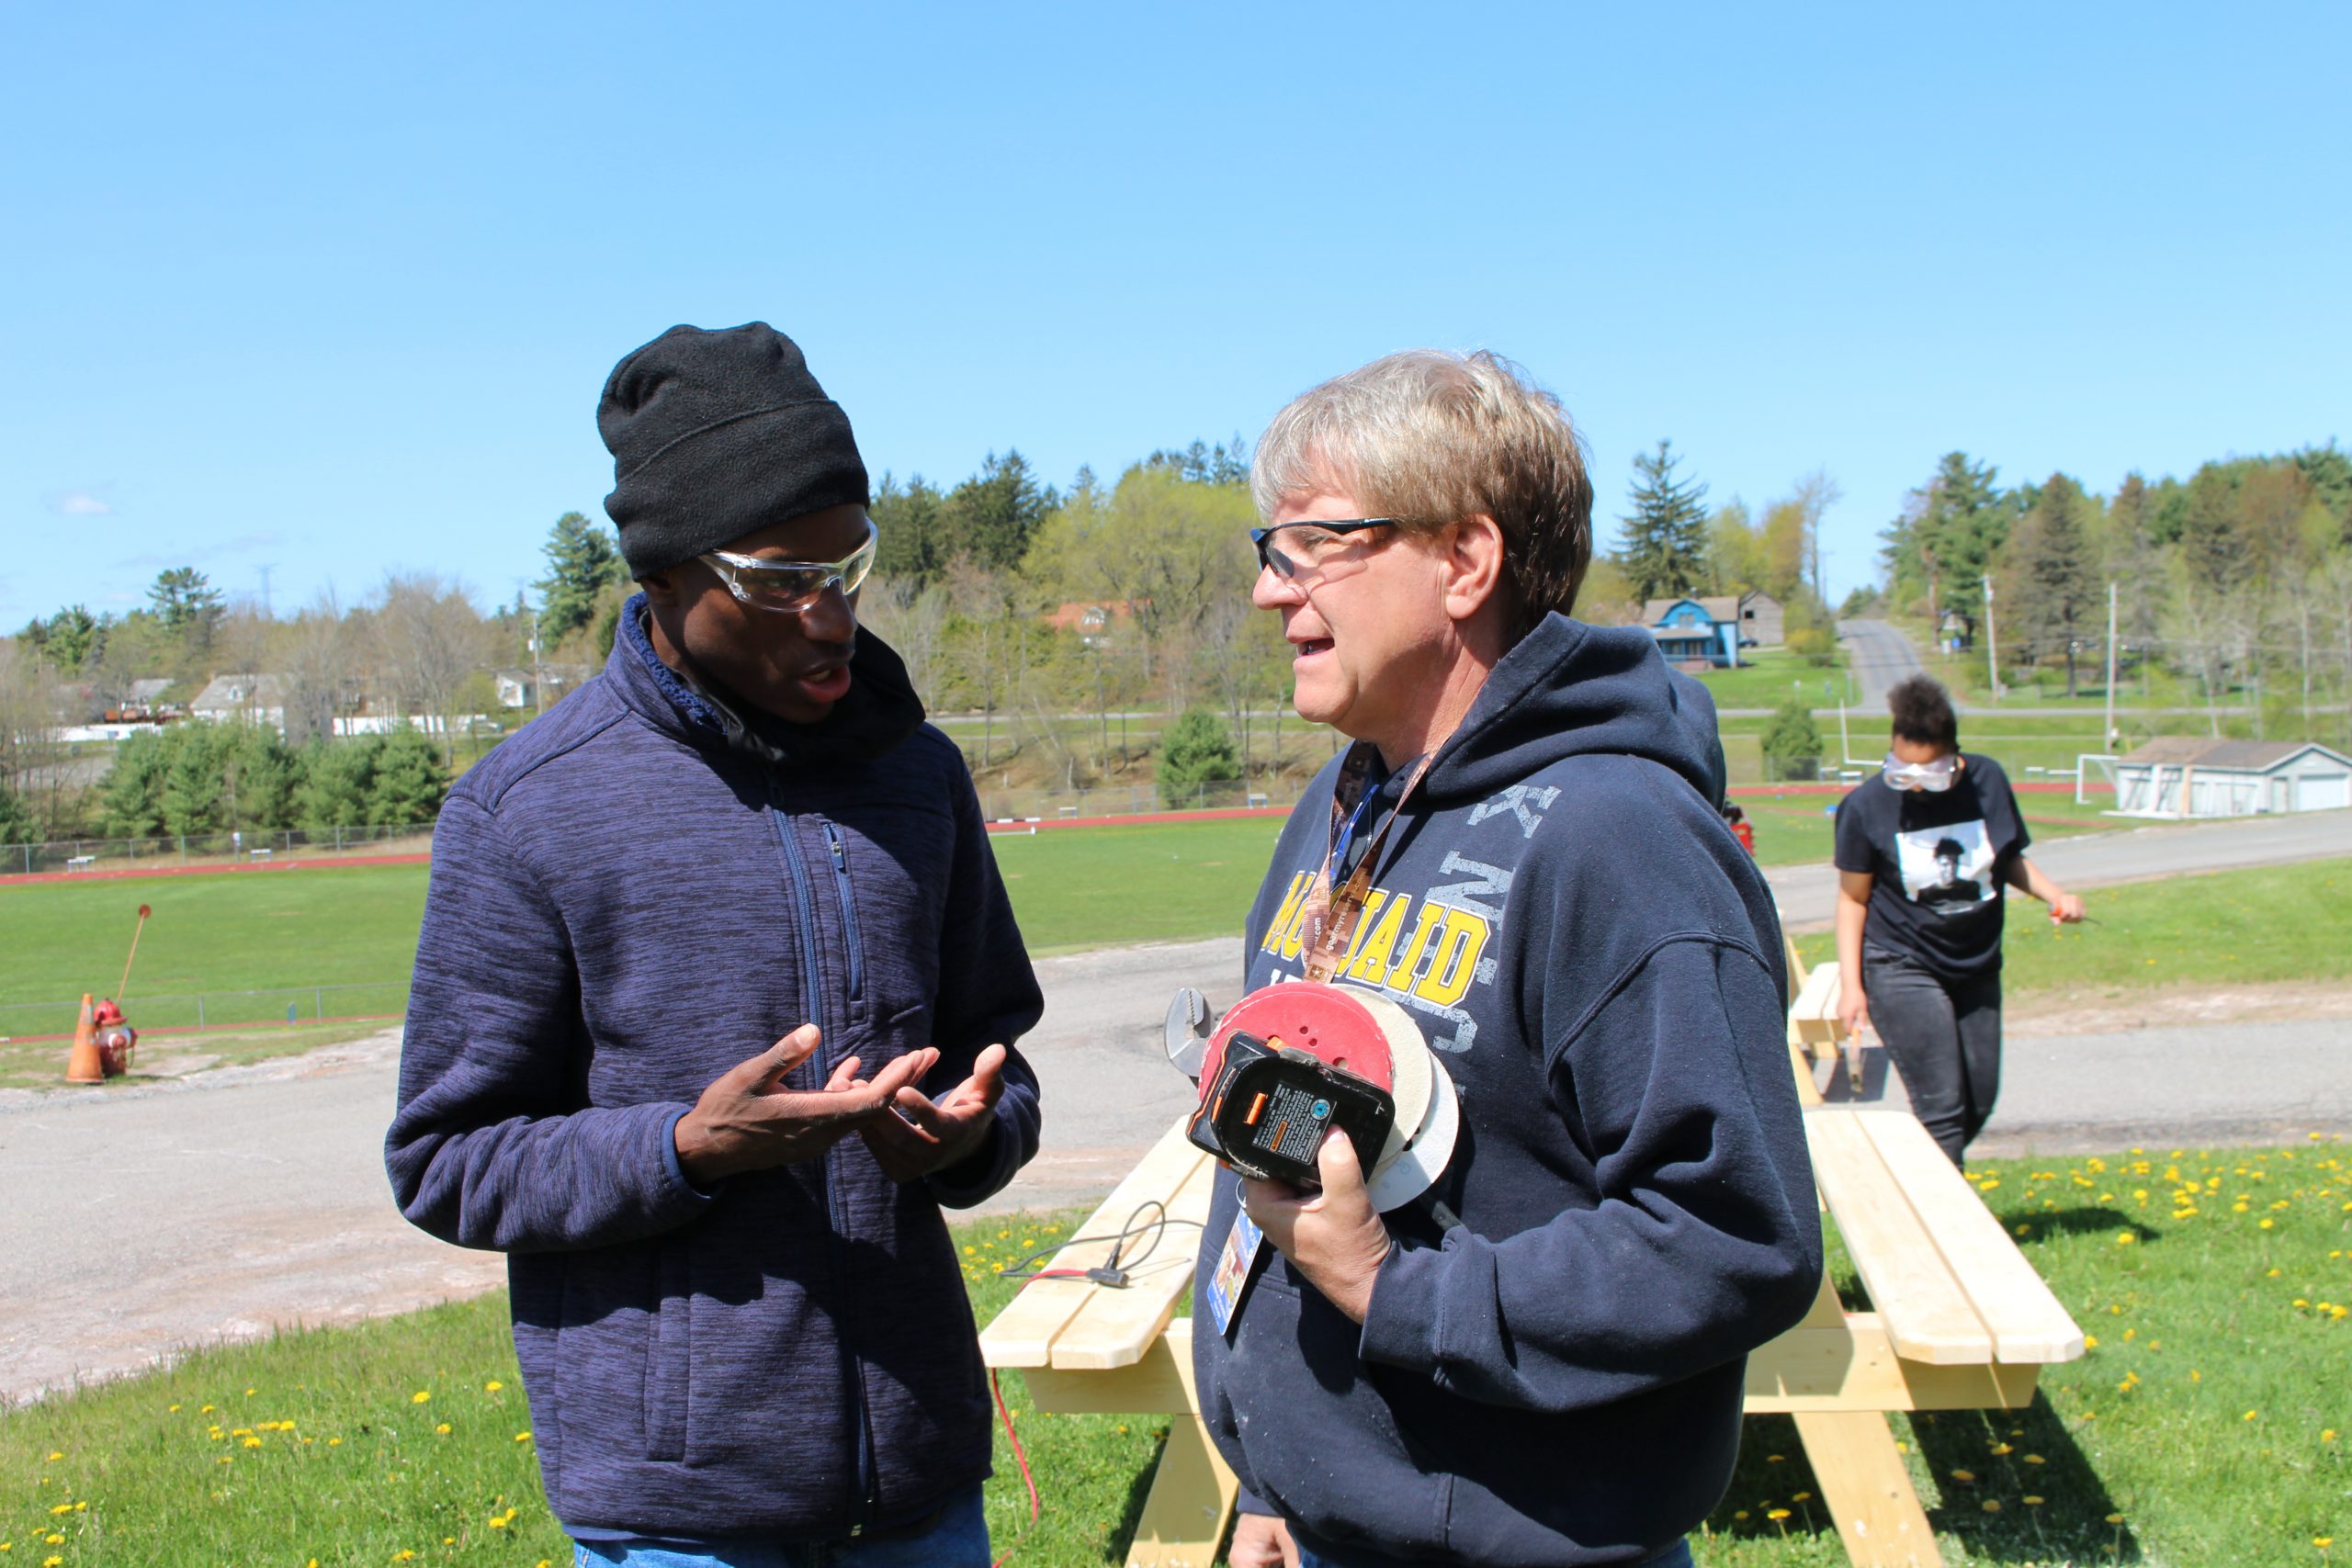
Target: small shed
2179	775
1762	623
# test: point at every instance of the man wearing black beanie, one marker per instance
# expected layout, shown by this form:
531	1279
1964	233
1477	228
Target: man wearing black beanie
742	1324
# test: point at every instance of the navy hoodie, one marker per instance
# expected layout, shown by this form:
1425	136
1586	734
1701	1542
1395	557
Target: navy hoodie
1597	964
629	897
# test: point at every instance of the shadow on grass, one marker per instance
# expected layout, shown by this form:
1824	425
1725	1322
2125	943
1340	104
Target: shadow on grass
2070	1522
2083	1221
1122	1534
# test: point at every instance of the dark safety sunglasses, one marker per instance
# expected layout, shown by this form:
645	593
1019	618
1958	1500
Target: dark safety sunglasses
1313	540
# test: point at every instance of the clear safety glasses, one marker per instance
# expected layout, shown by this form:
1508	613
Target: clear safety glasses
1934	777
791	586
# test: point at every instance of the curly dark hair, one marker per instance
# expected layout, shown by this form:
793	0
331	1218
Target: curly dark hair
1923	714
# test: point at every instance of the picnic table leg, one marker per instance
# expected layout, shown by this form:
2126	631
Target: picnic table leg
1190	1503
1867	1490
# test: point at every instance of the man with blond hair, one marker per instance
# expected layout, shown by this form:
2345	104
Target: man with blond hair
1543	1364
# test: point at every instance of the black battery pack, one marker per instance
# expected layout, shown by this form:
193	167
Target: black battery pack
1265	1112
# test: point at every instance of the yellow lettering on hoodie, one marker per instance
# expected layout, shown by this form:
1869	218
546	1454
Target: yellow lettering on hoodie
1278	930
1400	974
1367	927
1456	960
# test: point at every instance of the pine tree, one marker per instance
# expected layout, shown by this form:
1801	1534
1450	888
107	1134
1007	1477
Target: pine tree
910	533
2053	579
1665	549
1198	749
337	779
993	514
407	784
583	560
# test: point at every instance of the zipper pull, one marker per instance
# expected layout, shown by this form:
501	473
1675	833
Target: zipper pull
841	856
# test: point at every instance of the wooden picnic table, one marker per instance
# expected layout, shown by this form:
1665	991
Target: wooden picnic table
1957	1320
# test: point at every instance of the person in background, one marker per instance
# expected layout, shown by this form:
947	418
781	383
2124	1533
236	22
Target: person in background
1924	853
1741	828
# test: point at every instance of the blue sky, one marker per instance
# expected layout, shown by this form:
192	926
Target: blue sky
335	292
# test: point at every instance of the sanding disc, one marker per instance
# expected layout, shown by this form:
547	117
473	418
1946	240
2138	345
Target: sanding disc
1350	1027
1332	1024
1423	1160
1410	1071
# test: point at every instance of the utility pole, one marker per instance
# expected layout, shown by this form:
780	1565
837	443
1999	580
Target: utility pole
264	591
2110	666
1992	641
538	686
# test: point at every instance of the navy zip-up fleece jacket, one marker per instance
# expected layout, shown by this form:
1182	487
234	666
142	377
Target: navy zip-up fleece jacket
625	905
1597	965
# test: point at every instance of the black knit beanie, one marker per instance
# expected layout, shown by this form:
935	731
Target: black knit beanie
715	434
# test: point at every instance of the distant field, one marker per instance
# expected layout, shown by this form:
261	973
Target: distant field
1794	829
244	930
1772	676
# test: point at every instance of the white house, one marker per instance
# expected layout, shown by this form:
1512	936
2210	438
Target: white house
259	699
2179	775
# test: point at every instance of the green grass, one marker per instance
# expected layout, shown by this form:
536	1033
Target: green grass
2206	1424
2288	922
1077	887
241	930
1772	676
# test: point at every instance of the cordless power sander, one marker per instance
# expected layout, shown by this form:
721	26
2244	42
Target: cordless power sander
1289	1061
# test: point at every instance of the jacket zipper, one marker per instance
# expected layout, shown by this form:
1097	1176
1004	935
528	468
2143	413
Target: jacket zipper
849	910
827	1056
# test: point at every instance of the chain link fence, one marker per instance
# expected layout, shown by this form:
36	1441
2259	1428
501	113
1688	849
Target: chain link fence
219	1009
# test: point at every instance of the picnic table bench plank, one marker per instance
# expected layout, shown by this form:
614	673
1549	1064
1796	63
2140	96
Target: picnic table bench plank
1928	1316
1023	1335
1121	1325
2026	1322
1867	1490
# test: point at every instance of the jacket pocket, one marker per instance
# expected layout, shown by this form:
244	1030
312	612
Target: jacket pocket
669	1357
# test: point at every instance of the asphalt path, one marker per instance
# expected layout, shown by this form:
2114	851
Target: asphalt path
141	1219
1879	657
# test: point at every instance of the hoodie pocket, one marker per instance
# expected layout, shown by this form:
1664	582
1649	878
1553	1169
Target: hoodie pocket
669	1357
1318	1432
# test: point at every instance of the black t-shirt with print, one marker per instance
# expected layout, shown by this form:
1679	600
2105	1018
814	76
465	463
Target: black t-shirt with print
1939	861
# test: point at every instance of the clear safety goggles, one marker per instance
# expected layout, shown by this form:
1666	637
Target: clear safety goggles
791	586
1934	777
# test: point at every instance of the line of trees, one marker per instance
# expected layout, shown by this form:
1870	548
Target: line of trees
2236	582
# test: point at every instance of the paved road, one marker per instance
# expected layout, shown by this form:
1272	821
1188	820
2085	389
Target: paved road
141	1219
1880	657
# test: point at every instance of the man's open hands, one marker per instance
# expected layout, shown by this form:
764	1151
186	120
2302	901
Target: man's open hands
744	1122
926	1135
1334	1237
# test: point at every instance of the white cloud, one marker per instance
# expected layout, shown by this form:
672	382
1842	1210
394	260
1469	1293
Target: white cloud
79	503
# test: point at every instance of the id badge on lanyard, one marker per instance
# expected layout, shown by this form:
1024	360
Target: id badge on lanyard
1329	922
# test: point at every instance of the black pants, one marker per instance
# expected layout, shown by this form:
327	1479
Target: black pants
1946	1038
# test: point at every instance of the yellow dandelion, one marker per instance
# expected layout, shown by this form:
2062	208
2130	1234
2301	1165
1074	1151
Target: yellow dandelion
2034	1459
174	1410
2328	1435
2250	1414
56	1454
2268	1223
2090	1341
1776	1513
2115	1518
1773	1458
421	1396
1802	1497
1991	1505
252	1442
522	1437
2125	1238
442	1430
493	1385
205	1410
2003	1448
1964	1475
334	1442
2031	1501
1740	1513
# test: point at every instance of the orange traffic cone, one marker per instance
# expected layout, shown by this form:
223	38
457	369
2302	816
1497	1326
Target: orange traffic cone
85	1065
